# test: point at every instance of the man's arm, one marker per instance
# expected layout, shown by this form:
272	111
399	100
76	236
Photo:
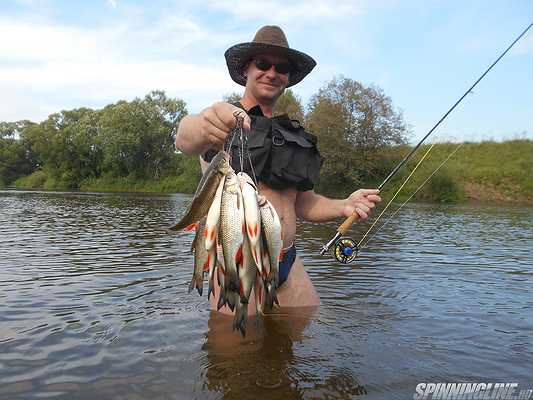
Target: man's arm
200	132
317	208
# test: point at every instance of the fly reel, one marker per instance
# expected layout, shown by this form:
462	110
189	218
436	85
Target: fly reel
345	250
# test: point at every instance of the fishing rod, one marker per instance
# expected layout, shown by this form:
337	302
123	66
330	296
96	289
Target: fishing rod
346	249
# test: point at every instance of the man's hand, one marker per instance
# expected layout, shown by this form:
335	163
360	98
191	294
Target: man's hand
217	121
361	201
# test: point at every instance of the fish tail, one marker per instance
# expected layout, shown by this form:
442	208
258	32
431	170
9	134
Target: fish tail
230	301
192	285
211	288
221	300
271	296
241	316
197	282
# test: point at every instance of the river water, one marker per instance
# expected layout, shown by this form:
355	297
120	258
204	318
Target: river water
94	304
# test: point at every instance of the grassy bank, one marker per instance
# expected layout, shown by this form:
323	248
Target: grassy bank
487	172
184	183
170	184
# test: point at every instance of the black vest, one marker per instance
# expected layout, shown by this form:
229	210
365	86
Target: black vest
283	154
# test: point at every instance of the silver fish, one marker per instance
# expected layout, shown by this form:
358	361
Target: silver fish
200	258
259	296
272	233
213	218
252	217
205	192
231	231
220	273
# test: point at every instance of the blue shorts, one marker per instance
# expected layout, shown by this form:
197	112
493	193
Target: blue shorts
285	265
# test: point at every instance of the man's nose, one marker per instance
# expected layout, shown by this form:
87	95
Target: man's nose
271	72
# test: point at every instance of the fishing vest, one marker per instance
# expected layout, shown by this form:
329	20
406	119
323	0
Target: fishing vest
282	152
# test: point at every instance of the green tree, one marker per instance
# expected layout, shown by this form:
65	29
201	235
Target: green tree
353	122
138	137
233	97
16	156
290	104
66	146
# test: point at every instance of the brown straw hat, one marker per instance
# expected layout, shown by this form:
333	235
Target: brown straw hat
268	39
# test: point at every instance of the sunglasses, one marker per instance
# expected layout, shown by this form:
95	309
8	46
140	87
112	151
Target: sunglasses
264	65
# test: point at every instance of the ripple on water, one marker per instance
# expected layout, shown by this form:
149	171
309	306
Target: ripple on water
94	301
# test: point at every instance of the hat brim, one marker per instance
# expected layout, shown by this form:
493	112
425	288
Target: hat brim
237	56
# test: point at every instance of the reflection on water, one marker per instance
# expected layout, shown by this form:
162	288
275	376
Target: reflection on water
264	364
94	304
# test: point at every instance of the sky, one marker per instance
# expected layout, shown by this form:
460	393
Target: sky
60	55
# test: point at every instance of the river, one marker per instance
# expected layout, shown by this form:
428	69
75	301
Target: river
94	304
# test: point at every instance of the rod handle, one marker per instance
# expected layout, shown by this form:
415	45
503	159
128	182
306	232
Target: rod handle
347	223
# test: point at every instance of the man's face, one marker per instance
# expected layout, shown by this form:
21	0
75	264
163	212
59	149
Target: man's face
266	85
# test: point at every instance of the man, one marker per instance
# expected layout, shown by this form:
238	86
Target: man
266	66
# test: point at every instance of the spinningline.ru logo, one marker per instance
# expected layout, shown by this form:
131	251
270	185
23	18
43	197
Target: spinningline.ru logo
471	390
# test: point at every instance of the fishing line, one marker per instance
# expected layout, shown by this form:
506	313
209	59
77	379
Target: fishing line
252	167
243	148
342	229
361	246
396	194
227	147
393	172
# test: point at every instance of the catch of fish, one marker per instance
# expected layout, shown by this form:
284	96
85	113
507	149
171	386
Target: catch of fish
237	241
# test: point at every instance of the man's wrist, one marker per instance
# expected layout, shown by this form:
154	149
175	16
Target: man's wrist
344	208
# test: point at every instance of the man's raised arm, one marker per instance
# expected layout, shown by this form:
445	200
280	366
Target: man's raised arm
198	133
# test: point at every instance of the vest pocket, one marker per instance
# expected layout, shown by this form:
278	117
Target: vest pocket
292	159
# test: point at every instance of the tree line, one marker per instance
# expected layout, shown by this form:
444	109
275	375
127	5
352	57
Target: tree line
134	141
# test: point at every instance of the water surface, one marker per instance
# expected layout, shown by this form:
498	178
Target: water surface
94	304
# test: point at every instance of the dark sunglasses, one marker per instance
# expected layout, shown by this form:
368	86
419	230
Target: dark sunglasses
264	65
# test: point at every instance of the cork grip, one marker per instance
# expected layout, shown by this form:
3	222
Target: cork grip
347	223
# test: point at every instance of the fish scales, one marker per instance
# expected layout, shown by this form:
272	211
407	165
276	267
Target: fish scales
201	258
272	232
252	217
213	218
231	231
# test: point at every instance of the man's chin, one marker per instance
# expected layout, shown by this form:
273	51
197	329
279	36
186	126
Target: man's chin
271	95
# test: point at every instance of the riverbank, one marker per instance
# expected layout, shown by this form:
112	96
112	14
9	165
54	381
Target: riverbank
492	172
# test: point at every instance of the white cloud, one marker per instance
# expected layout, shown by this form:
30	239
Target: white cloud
126	78
45	67
34	42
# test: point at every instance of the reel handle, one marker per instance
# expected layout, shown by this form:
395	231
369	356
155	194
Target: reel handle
347	223
341	231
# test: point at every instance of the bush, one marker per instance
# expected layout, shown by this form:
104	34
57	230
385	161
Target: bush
36	180
442	188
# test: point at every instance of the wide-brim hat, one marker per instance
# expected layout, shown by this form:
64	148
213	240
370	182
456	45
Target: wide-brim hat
268	39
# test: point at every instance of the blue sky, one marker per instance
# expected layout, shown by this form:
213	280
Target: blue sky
58	55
